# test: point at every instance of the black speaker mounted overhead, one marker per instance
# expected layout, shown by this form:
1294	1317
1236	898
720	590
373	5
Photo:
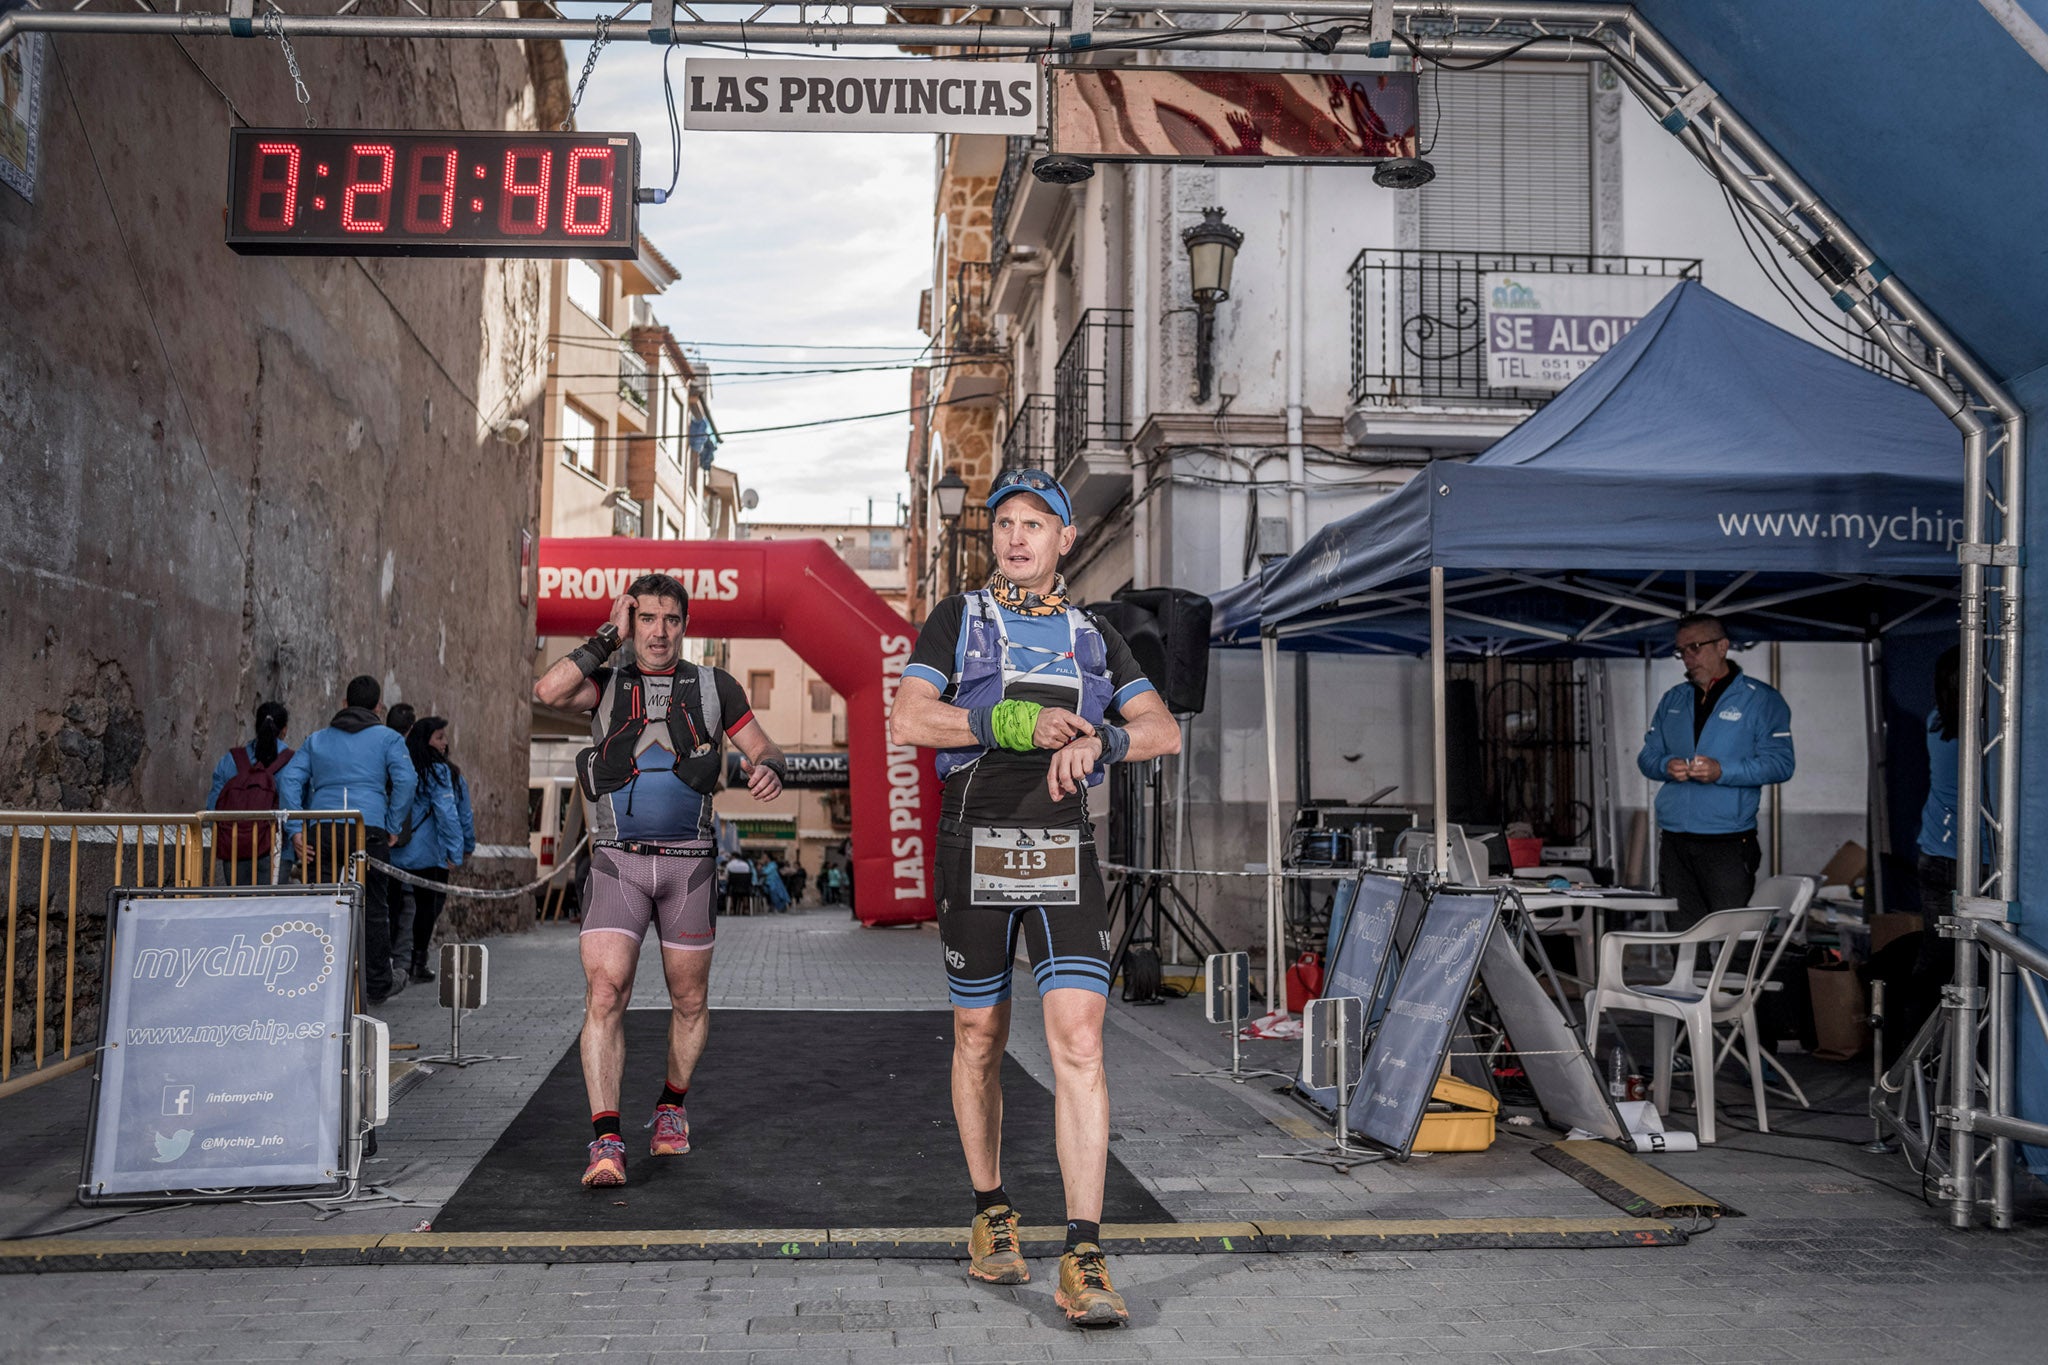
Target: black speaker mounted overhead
1168	632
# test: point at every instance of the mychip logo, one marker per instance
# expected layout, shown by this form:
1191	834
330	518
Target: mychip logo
292	958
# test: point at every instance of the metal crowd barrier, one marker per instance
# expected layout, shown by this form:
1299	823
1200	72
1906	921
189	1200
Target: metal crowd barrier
75	859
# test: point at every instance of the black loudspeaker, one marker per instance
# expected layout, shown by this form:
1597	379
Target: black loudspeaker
1168	632
1464	768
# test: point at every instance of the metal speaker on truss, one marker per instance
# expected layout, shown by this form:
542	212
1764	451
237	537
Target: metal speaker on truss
1403	173
1055	169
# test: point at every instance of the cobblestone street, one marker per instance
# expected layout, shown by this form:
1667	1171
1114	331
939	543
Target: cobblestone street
1834	1259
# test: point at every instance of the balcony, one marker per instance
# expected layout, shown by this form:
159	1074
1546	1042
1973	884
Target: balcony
626	517
634	387
970	321
1028	442
1016	163
1418	344
1091	411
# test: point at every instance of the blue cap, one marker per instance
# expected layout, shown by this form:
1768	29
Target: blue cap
1033	481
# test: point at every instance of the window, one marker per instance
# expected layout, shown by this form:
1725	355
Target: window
881	549
586	288
821	695
1513	161
760	689
580	437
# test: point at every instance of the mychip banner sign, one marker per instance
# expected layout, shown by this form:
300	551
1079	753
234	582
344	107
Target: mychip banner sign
1543	330
225	1045
770	95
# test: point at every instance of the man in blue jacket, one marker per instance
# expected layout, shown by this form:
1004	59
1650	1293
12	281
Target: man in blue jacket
1716	741
358	763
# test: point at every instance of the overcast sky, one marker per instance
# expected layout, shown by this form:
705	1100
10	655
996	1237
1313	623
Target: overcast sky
790	239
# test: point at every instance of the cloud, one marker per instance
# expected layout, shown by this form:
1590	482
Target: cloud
785	238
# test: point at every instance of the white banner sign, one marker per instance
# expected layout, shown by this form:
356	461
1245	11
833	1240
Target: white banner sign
1543	330
798	96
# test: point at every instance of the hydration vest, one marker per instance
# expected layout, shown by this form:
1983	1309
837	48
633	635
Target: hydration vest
621	718
983	652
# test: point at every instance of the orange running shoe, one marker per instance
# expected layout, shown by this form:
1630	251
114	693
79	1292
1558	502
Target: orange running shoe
607	1162
992	1247
671	1131
1085	1291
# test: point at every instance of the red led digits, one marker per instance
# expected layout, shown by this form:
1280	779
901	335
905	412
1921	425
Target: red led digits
273	180
523	208
360	188
587	208
430	188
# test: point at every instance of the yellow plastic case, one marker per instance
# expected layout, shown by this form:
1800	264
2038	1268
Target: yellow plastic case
1465	1127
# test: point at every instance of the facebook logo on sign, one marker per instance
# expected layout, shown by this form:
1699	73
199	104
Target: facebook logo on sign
177	1100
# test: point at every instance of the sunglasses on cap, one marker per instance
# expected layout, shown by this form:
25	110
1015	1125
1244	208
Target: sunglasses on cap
1033	481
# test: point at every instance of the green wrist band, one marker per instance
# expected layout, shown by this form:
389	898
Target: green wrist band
1013	722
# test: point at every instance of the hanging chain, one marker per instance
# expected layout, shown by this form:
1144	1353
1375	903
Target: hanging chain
273	25
604	35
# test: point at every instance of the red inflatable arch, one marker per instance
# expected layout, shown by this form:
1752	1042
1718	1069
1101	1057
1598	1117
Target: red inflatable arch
800	592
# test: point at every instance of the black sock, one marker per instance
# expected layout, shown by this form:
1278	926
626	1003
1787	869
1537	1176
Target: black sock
671	1095
607	1124
1080	1230
984	1200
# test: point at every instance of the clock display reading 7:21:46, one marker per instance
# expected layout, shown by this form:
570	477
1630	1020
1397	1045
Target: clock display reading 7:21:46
376	192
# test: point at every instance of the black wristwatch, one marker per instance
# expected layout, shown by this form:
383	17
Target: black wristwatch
608	633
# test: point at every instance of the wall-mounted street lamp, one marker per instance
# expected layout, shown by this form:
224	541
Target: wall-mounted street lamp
1212	252
951	492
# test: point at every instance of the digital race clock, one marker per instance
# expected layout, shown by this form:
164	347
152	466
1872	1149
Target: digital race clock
373	192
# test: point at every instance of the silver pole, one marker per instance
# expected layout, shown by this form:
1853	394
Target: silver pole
1441	750
1269	652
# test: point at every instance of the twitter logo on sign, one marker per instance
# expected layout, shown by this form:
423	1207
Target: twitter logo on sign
172	1147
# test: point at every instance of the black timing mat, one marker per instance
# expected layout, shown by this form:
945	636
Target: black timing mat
798	1118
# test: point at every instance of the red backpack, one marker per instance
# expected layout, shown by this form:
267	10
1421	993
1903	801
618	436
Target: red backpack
253	787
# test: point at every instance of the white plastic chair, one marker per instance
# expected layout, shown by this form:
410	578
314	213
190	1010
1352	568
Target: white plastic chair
1696	1000
1792	896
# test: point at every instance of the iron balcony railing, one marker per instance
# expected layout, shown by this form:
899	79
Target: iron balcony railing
633	383
1028	442
1016	164
1091	385
971	320
1418	319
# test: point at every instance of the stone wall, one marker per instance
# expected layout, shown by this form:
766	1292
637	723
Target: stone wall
227	479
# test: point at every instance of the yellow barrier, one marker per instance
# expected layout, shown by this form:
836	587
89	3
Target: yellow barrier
167	851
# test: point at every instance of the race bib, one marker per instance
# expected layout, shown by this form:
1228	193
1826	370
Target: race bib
1025	867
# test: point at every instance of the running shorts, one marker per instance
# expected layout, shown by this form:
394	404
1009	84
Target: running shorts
672	886
1069	945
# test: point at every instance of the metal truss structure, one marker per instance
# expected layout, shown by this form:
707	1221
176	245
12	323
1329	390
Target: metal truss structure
1969	1052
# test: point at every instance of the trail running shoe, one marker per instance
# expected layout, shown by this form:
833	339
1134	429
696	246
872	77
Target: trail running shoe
607	1163
671	1131
1085	1290
992	1247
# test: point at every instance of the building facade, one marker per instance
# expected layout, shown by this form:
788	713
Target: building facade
1346	357
231	479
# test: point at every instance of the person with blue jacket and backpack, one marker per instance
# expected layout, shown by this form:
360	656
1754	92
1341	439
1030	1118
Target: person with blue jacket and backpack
357	763
437	837
1716	741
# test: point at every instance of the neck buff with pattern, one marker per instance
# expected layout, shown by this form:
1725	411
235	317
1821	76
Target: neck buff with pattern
1025	603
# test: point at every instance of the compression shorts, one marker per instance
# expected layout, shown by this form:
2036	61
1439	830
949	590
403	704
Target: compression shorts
674	888
1069	945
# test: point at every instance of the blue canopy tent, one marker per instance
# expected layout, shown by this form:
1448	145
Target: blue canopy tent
1709	461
